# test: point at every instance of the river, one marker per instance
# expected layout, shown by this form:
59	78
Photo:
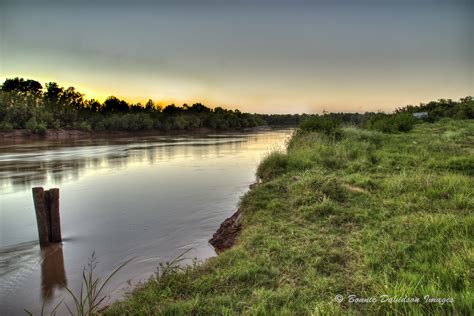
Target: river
142	198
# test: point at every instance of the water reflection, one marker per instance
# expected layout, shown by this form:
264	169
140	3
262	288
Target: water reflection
20	169
53	274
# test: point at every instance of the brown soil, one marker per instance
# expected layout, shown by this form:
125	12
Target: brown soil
225	236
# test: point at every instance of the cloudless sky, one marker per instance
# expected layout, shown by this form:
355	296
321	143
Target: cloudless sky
258	56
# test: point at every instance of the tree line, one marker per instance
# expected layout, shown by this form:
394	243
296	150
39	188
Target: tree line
26	104
402	120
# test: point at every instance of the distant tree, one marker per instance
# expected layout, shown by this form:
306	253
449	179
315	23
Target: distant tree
93	105
219	110
172	110
113	104
19	85
72	99
150	105
52	95
197	108
136	108
18	92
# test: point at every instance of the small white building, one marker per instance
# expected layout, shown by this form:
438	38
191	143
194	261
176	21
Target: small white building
420	115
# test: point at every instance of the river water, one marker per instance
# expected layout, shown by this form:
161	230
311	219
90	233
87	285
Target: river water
146	198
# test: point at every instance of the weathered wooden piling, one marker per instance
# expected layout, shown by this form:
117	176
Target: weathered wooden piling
55	219
41	219
47	215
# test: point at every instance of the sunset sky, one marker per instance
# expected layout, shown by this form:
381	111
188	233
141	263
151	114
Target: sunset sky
258	56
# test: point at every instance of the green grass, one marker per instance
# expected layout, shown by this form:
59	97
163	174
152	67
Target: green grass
372	214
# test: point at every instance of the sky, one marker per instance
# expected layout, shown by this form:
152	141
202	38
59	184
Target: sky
257	56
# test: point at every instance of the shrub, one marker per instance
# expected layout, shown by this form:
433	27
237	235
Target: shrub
31	124
99	125
391	123
157	124
56	124
464	111
328	125
180	122
125	122
111	122
403	122
85	126
147	122
41	128
273	165
5	126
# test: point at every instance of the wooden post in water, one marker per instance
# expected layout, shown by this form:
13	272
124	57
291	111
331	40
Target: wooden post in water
47	215
55	219
41	219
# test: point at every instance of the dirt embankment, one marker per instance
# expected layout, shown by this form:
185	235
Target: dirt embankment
224	238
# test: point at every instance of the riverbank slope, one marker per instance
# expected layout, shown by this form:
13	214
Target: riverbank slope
378	216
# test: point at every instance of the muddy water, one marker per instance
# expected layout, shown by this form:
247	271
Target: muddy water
147	198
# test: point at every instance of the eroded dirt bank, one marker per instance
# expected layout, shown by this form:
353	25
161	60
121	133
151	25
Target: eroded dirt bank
224	237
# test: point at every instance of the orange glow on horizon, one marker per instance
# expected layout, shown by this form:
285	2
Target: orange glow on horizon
303	100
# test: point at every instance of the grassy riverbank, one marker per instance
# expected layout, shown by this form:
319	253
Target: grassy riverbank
368	215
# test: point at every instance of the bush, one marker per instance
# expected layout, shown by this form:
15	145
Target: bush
404	122
464	111
5	126
111	122
124	122
391	123
273	165
157	124
328	125
85	126
31	124
56	124
19	114
180	123
41	128
147	122
99	125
